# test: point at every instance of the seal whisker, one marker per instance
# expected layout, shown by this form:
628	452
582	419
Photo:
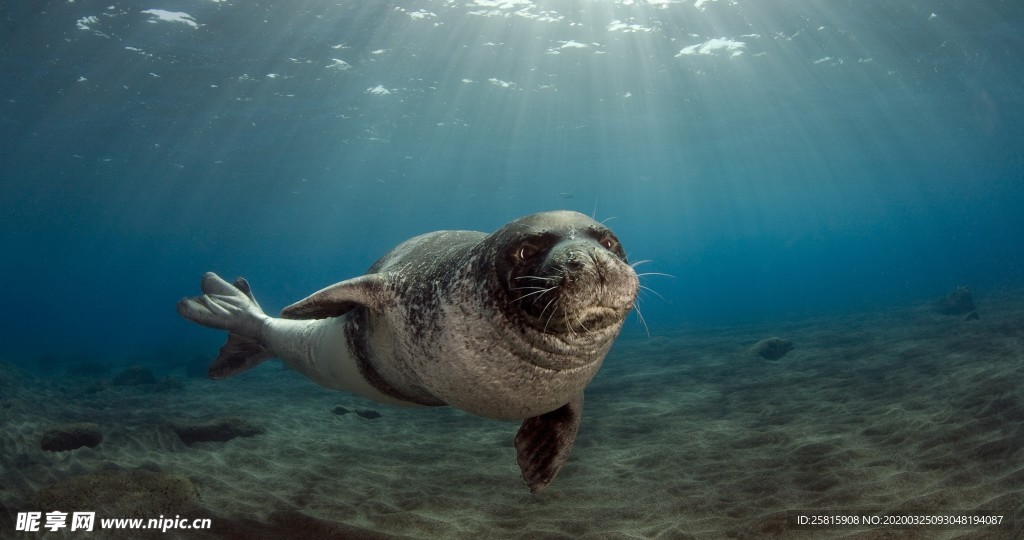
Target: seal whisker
546	306
638	263
555	300
652	291
540	292
655	274
534	287
579	321
536	277
640	316
568	325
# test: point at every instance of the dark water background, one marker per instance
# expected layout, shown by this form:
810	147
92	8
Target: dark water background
820	157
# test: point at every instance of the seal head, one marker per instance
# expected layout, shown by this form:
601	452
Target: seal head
563	282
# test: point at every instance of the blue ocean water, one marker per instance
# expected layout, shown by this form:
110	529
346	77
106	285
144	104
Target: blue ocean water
776	158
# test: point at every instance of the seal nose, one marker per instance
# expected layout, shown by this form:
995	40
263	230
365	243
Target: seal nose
574	259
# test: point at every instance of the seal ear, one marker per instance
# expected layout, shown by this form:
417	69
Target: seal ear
339	299
543	443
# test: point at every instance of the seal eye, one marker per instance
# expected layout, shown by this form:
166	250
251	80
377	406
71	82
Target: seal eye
608	243
527	252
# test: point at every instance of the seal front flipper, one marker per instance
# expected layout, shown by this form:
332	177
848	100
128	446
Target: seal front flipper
339	299
543	443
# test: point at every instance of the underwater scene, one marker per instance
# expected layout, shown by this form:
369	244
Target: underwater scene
544	269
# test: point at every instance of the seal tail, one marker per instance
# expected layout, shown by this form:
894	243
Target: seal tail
231	307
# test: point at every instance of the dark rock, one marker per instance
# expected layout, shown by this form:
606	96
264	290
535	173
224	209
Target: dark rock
364	413
972	316
222	429
137	493
71	436
133	376
958	302
772	348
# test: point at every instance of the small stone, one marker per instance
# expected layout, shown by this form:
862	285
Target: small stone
71	436
368	414
339	410
772	348
220	430
958	302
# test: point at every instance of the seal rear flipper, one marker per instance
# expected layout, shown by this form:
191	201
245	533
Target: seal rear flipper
339	299
231	307
237	355
543	443
224	306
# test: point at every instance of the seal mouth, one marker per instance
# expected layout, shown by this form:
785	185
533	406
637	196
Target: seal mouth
590	321
596	318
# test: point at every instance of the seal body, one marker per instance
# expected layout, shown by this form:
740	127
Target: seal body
508	325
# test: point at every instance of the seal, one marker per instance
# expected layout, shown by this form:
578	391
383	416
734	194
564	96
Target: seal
508	325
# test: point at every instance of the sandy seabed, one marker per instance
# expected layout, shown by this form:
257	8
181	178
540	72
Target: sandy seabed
896	412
